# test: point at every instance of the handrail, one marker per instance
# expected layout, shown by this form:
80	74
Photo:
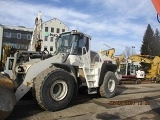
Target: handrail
101	50
88	61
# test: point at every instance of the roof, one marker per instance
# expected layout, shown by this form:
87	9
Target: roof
22	28
55	19
77	32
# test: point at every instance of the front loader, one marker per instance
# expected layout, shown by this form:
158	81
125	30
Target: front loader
54	79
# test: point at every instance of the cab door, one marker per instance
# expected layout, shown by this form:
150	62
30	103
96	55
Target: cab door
83	52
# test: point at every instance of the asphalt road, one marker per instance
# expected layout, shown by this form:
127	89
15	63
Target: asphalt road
132	102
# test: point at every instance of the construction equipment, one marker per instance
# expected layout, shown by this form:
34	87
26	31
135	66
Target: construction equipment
130	68
152	62
131	72
54	79
6	49
109	52
156	4
7	71
36	41
115	60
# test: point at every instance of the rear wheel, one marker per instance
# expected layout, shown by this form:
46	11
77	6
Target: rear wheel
55	90
109	85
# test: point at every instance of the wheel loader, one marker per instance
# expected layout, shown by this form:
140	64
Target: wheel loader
55	79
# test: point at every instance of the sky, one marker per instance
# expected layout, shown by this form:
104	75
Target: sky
110	23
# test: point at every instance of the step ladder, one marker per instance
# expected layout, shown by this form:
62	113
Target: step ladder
92	78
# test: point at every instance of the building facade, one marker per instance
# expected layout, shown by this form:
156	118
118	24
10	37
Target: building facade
17	37
51	27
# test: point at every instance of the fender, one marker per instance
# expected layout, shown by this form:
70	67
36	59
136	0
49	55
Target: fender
106	67
71	69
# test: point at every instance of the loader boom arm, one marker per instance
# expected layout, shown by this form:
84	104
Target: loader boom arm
139	58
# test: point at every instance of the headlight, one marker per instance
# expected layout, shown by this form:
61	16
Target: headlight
20	69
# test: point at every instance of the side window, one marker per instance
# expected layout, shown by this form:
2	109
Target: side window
52	29
10	64
18	35
46	29
45	47
51	48
63	30
58	30
45	38
51	40
83	42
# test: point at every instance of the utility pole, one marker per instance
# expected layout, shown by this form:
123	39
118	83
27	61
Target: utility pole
132	49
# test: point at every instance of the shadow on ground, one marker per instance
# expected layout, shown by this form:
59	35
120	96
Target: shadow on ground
26	109
121	89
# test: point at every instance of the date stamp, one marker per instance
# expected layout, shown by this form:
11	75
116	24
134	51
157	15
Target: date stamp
129	102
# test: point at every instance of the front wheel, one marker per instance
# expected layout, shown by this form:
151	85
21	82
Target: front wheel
55	91
109	85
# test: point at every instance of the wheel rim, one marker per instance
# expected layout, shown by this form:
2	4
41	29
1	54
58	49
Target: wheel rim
58	90
111	85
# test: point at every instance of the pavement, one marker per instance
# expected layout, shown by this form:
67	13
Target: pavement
132	102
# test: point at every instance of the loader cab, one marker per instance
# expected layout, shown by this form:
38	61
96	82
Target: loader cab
127	69
73	46
73	43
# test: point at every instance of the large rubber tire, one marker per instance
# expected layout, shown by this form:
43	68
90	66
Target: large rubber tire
109	85
54	89
7	102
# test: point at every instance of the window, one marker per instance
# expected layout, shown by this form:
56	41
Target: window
63	30
46	38
83	42
13	35
18	35
57	30
7	34
51	48
10	64
51	39
46	29
24	36
28	37
45	47
52	29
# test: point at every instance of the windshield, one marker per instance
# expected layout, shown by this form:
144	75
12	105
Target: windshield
65	42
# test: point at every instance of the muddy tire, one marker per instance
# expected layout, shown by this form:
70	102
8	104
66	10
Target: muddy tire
109	85
54	89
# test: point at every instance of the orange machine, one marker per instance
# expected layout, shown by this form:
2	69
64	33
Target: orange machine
156	4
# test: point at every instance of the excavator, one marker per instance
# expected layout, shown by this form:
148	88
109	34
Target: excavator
6	52
127	71
116	60
152	66
131	72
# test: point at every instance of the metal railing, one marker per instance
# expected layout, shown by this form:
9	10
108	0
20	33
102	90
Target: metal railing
86	56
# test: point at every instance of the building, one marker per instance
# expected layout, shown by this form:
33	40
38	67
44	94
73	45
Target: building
17	37
51	27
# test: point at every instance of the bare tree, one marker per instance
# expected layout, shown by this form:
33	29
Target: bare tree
128	52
